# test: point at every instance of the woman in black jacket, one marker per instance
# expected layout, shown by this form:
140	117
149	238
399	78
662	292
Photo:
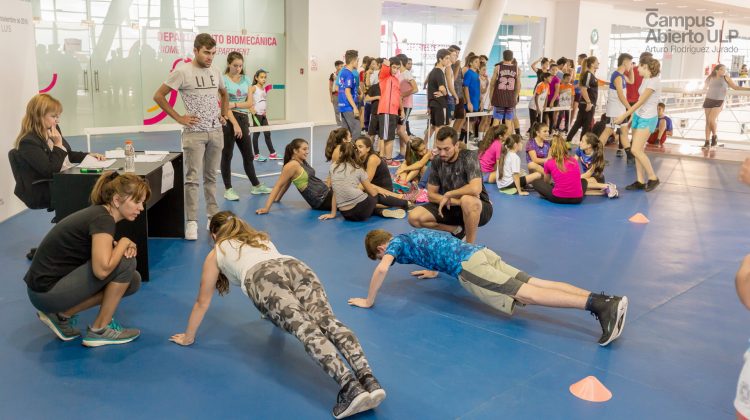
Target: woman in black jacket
42	150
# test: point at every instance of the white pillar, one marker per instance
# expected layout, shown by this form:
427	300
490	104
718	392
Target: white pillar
489	16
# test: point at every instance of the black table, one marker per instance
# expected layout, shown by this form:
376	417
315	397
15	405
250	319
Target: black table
163	215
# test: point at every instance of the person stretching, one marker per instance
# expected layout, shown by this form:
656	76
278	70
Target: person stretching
485	275
288	293
297	171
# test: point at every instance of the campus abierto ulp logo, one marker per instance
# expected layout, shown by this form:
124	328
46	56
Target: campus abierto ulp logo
684	34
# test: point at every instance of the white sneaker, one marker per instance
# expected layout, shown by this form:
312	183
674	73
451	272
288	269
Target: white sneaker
191	230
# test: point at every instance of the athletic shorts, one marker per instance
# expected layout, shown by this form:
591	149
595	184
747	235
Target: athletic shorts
713	103
647	123
438	116
502	113
460	112
494	282
742	400
454	216
373	127
387	123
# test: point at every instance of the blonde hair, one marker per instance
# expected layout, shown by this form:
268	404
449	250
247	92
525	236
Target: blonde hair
33	121
226	226
559	151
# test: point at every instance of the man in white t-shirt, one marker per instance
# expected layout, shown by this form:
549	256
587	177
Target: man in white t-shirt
201	87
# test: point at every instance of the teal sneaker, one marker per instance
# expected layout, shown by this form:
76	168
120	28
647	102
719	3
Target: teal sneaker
113	333
260	189
260	158
63	328
231	195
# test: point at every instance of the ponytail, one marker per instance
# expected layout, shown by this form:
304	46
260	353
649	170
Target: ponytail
493	133
126	186
508	144
225	226
291	147
335	138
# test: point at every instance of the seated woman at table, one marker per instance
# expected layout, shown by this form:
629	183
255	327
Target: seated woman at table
297	171
79	265
42	149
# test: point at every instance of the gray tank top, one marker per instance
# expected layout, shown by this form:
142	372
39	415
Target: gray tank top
458	82
717	89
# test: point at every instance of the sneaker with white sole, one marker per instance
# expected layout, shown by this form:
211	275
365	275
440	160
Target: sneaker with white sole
274	156
352	399
377	393
611	190
113	333
62	327
231	195
611	312
261	158
394	213
191	230
260	189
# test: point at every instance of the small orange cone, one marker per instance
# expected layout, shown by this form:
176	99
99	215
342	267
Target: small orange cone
590	389
639	218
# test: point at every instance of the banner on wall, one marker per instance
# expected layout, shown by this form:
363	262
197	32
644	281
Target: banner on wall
261	51
19	55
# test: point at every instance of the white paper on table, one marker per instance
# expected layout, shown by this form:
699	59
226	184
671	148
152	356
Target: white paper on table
115	154
90	162
149	158
156	152
167	177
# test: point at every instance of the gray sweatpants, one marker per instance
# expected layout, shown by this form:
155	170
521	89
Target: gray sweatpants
202	153
289	293
81	283
351	123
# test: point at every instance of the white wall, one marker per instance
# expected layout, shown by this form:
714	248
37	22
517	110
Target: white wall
297	50
19	55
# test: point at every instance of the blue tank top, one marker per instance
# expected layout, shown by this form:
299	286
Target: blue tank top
237	91
615	75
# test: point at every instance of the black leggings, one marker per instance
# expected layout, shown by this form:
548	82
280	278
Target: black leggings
369	206
262	121
583	121
545	190
244	145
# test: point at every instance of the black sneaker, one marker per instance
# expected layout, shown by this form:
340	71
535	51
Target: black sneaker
352	399
651	184
714	141
620	153
371	385
611	312
636	186
461	233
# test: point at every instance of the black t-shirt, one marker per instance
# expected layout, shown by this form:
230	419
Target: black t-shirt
374	90
449	176
67	246
591	84
435	79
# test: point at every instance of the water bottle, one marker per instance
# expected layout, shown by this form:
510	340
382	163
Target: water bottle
129	156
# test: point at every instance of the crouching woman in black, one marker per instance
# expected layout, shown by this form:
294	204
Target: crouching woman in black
79	265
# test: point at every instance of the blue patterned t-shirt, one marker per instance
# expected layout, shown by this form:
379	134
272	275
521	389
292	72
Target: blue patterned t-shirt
432	250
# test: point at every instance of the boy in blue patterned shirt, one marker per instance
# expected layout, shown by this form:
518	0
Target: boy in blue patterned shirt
484	274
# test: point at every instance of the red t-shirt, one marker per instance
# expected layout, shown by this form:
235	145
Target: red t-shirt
632	88
568	183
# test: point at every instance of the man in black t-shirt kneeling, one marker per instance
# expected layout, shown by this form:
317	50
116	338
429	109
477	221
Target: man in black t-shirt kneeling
459	204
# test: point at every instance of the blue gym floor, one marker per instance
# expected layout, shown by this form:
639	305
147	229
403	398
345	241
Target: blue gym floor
437	350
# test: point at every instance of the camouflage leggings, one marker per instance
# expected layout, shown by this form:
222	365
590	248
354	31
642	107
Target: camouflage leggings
288	292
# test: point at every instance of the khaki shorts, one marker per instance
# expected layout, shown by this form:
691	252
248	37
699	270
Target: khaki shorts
494	282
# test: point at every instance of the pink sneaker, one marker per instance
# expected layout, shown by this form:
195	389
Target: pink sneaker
422	197
273	156
393	163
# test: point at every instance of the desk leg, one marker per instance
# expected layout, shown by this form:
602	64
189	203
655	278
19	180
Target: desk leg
166	219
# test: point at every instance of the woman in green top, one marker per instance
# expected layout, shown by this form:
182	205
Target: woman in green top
297	171
238	86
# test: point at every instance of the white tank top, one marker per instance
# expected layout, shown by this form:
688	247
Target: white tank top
235	259
259	99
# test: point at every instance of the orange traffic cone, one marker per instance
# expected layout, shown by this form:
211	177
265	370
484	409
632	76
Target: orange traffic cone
639	218
590	389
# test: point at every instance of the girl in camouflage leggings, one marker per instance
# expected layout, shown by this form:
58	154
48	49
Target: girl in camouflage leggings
287	292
